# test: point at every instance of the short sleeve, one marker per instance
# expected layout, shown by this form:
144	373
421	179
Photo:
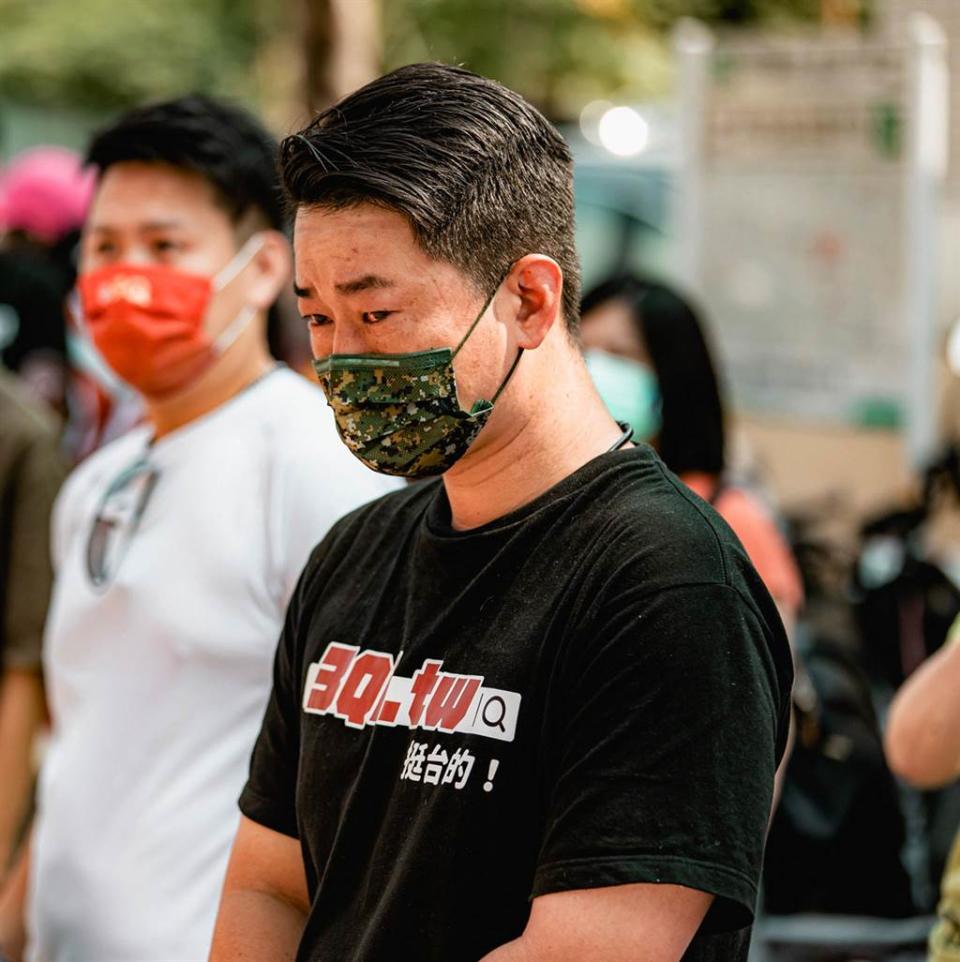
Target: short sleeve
765	545
33	488
269	797
663	756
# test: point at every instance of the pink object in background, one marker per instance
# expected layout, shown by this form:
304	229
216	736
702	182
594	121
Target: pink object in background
45	192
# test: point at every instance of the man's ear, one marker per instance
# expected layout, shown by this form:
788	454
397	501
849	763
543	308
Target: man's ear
273	269
537	282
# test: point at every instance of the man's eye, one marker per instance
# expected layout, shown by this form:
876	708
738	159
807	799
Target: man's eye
374	317
317	320
166	246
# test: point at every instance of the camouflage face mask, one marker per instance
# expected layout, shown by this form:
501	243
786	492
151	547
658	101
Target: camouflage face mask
399	413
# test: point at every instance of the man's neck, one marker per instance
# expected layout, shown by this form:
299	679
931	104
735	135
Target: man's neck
224	380
560	434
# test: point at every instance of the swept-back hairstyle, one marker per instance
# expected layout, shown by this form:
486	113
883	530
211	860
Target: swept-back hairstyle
482	177
692	435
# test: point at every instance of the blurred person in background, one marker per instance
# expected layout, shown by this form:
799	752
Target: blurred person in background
176	547
532	708
30	475
647	352
923	747
44	196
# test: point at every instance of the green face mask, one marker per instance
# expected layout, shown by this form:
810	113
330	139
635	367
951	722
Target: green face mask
630	391
399	413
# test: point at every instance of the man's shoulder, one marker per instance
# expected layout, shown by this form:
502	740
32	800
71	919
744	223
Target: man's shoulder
664	549
650	520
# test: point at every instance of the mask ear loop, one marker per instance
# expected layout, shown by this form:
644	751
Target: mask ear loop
473	326
470	330
238	262
506	380
230	334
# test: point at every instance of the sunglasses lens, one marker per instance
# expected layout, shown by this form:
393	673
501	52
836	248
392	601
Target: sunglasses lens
97	551
116	522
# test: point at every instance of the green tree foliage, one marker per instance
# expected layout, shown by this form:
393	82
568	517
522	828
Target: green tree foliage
563	53
663	13
105	54
551	50
108	54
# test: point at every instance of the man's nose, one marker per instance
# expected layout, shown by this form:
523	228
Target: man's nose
349	339
138	255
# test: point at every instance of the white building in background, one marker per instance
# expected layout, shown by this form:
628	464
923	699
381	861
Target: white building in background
891	20
892	17
815	171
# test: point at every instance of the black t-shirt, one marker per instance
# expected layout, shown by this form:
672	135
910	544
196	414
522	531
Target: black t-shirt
590	691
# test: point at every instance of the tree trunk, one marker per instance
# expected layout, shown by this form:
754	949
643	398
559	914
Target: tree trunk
341	46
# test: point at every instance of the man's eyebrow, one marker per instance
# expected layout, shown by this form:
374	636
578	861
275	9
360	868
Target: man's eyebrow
368	282
153	225
162	225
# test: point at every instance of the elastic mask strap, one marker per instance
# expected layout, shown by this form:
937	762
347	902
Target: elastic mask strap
506	380
238	262
228	336
483	310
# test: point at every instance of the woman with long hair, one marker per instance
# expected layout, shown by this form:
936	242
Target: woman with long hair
649	357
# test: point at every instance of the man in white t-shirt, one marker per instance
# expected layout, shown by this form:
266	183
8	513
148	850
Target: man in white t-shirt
176	547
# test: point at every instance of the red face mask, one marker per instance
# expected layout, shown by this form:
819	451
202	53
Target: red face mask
148	321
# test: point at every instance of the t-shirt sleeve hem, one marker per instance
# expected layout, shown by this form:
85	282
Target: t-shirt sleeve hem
735	893
24	658
262	811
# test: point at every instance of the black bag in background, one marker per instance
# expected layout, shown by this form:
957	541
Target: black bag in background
836	839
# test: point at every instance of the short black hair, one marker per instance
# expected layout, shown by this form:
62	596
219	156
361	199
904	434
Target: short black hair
692	434
482	177
223	143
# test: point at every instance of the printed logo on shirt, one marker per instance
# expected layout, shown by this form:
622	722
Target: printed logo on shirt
361	688
442	768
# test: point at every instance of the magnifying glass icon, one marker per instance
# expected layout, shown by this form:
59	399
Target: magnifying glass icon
500	714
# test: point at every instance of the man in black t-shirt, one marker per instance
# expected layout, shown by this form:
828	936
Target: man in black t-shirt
531	710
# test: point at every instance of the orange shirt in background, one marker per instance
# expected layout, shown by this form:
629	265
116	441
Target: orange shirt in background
758	533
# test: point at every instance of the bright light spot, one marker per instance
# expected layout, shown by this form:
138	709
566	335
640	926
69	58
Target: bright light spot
623	132
590	118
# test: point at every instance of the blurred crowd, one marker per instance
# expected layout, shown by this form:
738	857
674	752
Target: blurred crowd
864	831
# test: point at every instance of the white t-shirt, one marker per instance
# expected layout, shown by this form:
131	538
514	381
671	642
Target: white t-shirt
158	682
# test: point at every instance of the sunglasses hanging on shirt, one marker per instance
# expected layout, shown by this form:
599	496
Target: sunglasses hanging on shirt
117	519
